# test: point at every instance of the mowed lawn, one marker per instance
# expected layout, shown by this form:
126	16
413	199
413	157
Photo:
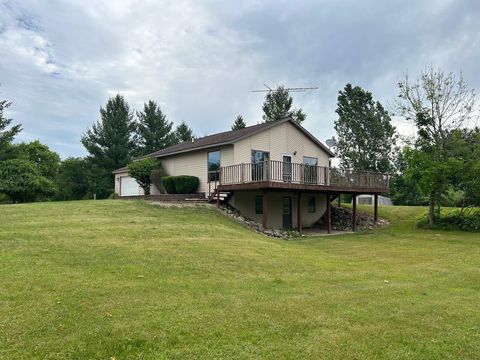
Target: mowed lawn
128	280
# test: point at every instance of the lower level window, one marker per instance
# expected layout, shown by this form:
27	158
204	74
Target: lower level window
259	204
311	204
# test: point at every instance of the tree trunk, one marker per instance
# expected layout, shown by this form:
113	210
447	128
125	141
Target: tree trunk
431	210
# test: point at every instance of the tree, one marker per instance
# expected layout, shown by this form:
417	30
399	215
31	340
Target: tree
437	103
141	170
154	130
6	135
278	105
239	123
183	133
46	160
110	142
366	137
22	181
73	179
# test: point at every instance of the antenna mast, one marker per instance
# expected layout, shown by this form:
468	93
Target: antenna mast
292	89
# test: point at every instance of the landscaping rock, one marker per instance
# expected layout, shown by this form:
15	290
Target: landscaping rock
342	220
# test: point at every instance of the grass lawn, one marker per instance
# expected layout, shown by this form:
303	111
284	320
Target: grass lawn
96	280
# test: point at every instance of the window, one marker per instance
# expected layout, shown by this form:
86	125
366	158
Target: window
311	204
259	165
213	165
311	169
259	204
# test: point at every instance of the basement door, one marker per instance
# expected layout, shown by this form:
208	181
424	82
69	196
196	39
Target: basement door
287	212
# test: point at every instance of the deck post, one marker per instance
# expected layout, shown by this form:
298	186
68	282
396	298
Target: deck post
299	211
218	195
329	214
265	209
354	212
375	207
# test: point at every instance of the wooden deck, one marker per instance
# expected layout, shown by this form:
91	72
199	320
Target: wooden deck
278	175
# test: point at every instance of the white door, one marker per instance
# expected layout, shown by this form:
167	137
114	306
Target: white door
128	186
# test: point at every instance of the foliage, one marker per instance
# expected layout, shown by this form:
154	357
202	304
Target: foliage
6	135
73	179
46	160
278	105
22	181
183	133
239	123
454	219
181	184
366	137
168	184
156	179
154	129
186	184
141	170
438	104
110	142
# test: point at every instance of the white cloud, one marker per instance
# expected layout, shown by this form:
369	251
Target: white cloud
59	61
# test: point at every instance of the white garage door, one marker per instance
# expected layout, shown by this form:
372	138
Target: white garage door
128	186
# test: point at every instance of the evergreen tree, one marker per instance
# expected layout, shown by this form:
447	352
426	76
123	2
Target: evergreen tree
110	142
154	130
366	137
183	133
239	123
6	135
278	105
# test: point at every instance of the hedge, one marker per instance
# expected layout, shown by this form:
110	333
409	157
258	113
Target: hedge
168	184
454	219
182	184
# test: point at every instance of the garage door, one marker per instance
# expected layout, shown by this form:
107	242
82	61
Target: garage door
128	186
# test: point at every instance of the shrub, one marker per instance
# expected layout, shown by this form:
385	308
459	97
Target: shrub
185	184
454	219
168	184
113	195
182	184
140	170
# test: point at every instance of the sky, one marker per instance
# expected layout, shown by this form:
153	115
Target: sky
60	61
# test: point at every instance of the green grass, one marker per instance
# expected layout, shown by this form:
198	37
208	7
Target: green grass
94	280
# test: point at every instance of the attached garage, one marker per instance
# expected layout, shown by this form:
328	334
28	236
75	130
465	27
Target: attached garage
128	186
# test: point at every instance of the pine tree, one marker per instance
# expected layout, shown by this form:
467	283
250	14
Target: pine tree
278	105
6	135
110	142
154	130
239	123
183	133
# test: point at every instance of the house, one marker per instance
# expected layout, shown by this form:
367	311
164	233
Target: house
276	173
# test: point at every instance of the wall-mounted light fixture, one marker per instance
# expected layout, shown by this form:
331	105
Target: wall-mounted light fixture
295	152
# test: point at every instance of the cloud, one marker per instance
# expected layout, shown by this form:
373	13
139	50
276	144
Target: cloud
200	60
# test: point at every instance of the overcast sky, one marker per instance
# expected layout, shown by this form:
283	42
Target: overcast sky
200	60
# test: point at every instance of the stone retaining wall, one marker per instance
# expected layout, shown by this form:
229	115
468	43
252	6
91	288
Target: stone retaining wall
167	197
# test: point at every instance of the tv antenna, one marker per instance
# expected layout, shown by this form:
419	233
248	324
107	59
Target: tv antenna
292	89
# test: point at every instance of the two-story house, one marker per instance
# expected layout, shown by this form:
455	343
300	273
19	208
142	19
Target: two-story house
275	173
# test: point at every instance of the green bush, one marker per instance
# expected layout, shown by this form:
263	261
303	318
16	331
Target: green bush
454	219
168	184
182	184
185	184
113	195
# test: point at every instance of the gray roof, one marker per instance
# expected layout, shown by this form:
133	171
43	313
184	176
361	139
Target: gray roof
226	138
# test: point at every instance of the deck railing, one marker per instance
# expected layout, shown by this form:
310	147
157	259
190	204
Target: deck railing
279	171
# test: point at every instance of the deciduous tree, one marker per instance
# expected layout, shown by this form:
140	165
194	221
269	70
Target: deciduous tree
141	170
366	137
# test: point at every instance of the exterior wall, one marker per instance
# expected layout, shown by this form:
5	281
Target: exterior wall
192	163
284	139
244	201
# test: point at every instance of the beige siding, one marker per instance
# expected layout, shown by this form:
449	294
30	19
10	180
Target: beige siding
284	139
244	201
192	163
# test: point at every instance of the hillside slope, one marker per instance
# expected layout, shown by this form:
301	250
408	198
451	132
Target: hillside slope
95	280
